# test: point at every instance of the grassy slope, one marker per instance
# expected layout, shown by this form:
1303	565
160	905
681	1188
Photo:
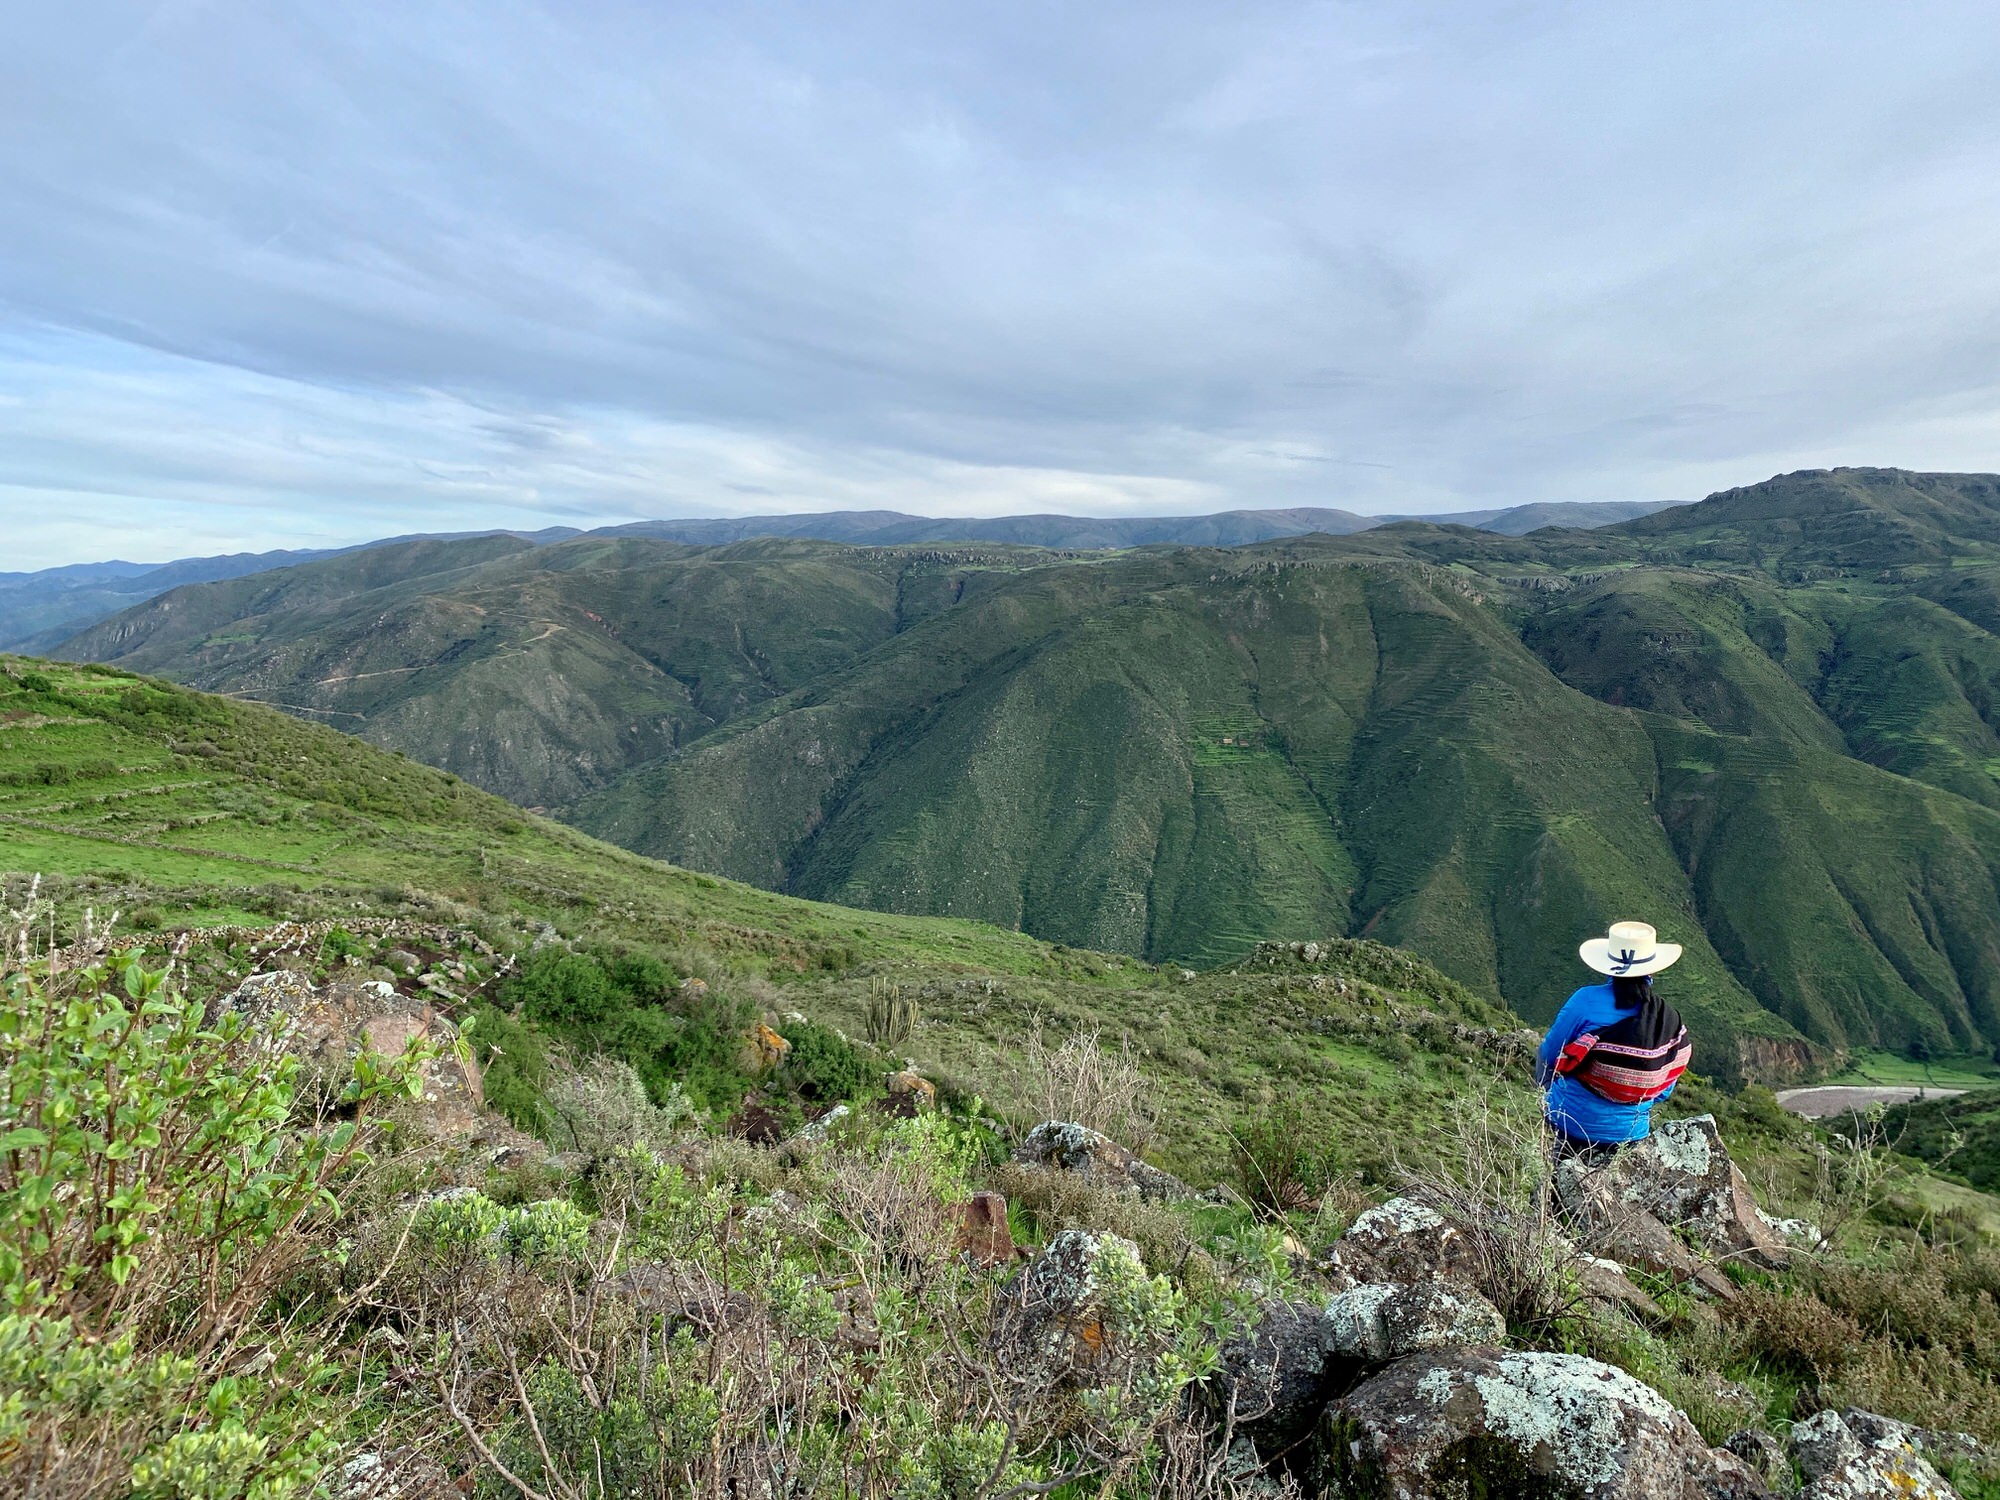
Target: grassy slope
191	808
538	673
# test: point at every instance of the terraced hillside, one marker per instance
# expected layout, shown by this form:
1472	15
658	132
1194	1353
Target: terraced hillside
1771	721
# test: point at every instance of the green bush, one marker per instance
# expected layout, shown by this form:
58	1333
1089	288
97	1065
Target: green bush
823	1065
1285	1157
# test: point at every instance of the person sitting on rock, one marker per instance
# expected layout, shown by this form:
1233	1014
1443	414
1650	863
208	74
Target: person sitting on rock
1615	1049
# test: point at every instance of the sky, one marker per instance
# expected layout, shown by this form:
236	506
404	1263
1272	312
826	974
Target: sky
277	274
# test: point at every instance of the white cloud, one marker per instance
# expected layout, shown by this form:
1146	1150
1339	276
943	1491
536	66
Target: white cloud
281	273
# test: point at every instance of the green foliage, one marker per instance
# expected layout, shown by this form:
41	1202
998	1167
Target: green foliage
823	1065
891	1018
155	1193
1287	1155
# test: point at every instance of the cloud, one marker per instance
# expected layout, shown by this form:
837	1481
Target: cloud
285	273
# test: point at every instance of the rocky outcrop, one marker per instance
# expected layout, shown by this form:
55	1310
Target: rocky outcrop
1064	1146
1858	1455
1677	1188
1501	1425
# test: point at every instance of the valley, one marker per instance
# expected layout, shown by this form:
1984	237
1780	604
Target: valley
1768	719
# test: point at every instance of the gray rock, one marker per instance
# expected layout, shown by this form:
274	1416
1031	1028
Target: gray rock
1275	1375
1405	1241
1064	1146
1489	1422
1863	1457
1384	1320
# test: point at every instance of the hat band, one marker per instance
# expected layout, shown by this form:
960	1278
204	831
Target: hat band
1627	959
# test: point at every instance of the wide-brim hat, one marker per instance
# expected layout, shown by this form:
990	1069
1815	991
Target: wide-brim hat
1629	950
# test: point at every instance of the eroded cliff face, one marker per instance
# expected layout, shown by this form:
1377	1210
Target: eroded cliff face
1778	1062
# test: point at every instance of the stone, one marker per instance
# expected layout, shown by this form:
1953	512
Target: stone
1609	1223
1682	1175
764	1049
1273	1379
1604	1281
1505	1425
1763	1453
1383	1320
694	989
1063	1146
1404	1241
983	1231
402	961
1860	1456
398	1474
1051	1317
327	1027
909	1083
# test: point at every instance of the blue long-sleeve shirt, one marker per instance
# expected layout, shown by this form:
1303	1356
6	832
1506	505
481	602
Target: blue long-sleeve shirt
1572	1108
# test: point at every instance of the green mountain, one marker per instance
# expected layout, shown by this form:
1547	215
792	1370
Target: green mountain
1768	721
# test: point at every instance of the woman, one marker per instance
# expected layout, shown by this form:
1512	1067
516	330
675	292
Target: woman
1615	1049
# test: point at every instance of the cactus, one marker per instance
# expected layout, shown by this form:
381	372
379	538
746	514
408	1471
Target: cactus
890	1019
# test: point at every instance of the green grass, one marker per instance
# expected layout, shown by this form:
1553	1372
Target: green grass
1892	1069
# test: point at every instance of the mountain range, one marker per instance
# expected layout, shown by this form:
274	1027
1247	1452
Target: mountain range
42	609
1766	722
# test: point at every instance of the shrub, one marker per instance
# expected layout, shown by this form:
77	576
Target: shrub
1285	1157
153	1203
823	1065
1078	1080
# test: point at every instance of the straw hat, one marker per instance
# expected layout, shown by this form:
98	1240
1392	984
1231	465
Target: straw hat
1629	950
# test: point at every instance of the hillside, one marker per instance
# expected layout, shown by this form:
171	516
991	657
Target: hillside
1727	715
819	1235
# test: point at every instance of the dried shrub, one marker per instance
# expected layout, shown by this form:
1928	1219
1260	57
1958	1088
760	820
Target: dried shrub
1063	1200
1492	1180
1077	1080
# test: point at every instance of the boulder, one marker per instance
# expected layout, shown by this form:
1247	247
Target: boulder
1501	1425
1607	1222
1859	1456
327	1026
1063	1146
764	1050
1052	1317
1401	1241
1682	1175
1273	1379
914	1085
1383	1320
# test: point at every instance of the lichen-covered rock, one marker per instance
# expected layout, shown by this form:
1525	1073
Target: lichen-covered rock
1403	1241
1064	1146
1383	1320
1500	1425
913	1085
1052	1316
1682	1175
1610	1222
1859	1456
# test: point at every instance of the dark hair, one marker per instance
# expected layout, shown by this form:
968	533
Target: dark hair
1630	991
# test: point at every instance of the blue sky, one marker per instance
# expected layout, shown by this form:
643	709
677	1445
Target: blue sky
278	274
